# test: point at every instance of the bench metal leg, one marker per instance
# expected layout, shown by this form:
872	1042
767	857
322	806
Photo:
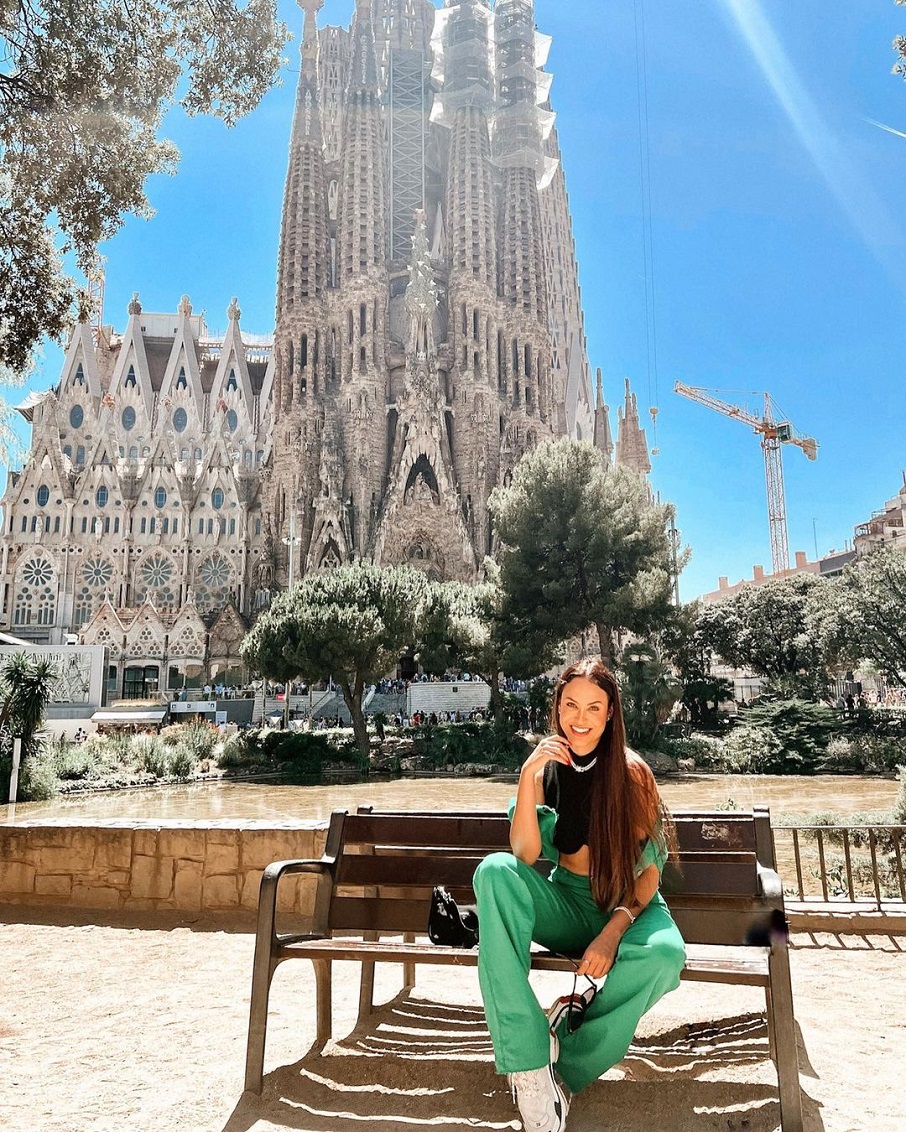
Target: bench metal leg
262	974
409	968
366	984
323	984
784	1033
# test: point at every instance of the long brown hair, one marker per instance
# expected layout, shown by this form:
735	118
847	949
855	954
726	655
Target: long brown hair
625	803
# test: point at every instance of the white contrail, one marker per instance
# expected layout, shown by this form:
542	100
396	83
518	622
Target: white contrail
889	129
855	193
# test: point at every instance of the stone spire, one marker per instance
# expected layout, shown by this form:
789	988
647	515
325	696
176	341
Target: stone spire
302	271
470	198
403	25
632	443
517	149
421	293
603	439
362	215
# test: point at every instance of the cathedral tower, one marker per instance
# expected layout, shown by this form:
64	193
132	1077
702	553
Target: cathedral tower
428	333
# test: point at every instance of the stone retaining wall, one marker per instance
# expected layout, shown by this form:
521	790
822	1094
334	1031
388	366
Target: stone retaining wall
178	866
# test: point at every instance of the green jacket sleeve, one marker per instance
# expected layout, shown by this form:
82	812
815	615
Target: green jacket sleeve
653	853
547	819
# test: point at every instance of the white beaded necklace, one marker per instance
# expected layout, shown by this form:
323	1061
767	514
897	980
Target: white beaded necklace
581	769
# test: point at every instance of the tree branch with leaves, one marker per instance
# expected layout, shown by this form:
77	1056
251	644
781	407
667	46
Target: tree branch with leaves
84	87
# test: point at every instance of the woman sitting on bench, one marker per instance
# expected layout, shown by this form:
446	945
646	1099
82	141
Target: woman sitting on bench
593	808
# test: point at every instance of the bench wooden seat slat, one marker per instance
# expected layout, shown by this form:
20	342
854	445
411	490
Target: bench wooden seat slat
375	881
751	970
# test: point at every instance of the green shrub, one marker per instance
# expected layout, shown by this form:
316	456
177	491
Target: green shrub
899	807
841	757
455	743
802	728
878	753
37	777
76	760
304	750
241	750
152	755
182	760
752	750
704	750
200	739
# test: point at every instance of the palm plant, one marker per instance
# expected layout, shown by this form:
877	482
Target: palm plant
26	688
649	691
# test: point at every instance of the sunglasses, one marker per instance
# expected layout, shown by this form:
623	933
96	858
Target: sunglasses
570	1009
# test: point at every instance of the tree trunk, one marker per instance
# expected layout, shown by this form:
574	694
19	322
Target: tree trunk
605	642
493	682
352	697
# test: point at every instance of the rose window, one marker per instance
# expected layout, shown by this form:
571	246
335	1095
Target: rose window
35	593
157	571
215	572
97	574
215	578
38	572
157	582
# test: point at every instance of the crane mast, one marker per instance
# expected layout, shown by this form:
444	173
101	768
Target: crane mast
774	434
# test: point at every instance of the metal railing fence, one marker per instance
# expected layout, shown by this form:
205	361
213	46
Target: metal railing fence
854	863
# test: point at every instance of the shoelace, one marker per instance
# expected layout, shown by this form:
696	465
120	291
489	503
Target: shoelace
530	1087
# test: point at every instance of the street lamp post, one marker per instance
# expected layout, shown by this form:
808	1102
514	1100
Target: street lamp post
291	542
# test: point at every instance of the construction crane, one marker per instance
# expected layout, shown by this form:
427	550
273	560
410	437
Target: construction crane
774	433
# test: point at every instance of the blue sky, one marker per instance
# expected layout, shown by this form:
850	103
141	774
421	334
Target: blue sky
775	259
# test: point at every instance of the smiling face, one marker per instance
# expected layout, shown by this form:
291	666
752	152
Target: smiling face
583	712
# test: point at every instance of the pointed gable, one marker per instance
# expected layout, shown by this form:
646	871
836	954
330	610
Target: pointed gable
232	400
145	636
130	383
80	368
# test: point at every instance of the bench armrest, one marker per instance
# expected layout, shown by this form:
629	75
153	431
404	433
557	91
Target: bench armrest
267	893
770	886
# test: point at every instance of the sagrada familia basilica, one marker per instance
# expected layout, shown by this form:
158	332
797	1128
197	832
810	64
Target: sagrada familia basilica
429	331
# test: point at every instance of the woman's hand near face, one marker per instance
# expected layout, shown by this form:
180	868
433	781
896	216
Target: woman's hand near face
553	748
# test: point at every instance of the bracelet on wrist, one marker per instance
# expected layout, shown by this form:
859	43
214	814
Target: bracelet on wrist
623	908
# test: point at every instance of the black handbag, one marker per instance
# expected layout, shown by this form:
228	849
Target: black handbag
448	926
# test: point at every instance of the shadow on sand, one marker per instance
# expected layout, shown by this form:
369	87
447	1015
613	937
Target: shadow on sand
418	1064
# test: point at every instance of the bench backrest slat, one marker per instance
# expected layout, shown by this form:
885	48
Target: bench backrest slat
390	862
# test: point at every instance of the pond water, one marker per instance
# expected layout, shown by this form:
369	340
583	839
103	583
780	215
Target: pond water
267	801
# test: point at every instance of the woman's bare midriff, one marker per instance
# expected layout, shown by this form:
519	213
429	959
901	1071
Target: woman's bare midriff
575	862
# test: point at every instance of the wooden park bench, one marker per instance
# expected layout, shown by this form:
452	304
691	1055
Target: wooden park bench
378	869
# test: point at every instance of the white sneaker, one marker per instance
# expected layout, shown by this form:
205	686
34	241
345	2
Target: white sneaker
542	1102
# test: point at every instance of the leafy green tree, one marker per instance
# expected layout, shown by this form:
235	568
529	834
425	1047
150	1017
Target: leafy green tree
463	626
683	642
351	623
861	616
581	546
765	630
648	691
84	87
803	730
26	688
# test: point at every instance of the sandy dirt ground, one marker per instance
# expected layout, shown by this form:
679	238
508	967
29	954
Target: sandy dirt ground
141	1026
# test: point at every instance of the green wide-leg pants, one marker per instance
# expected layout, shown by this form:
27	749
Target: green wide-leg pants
516	906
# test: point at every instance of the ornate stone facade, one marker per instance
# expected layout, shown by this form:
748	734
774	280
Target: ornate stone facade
428	332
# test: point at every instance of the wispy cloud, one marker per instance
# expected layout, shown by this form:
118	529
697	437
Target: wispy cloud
855	194
889	129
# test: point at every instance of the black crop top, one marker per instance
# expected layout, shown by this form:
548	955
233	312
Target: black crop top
569	793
